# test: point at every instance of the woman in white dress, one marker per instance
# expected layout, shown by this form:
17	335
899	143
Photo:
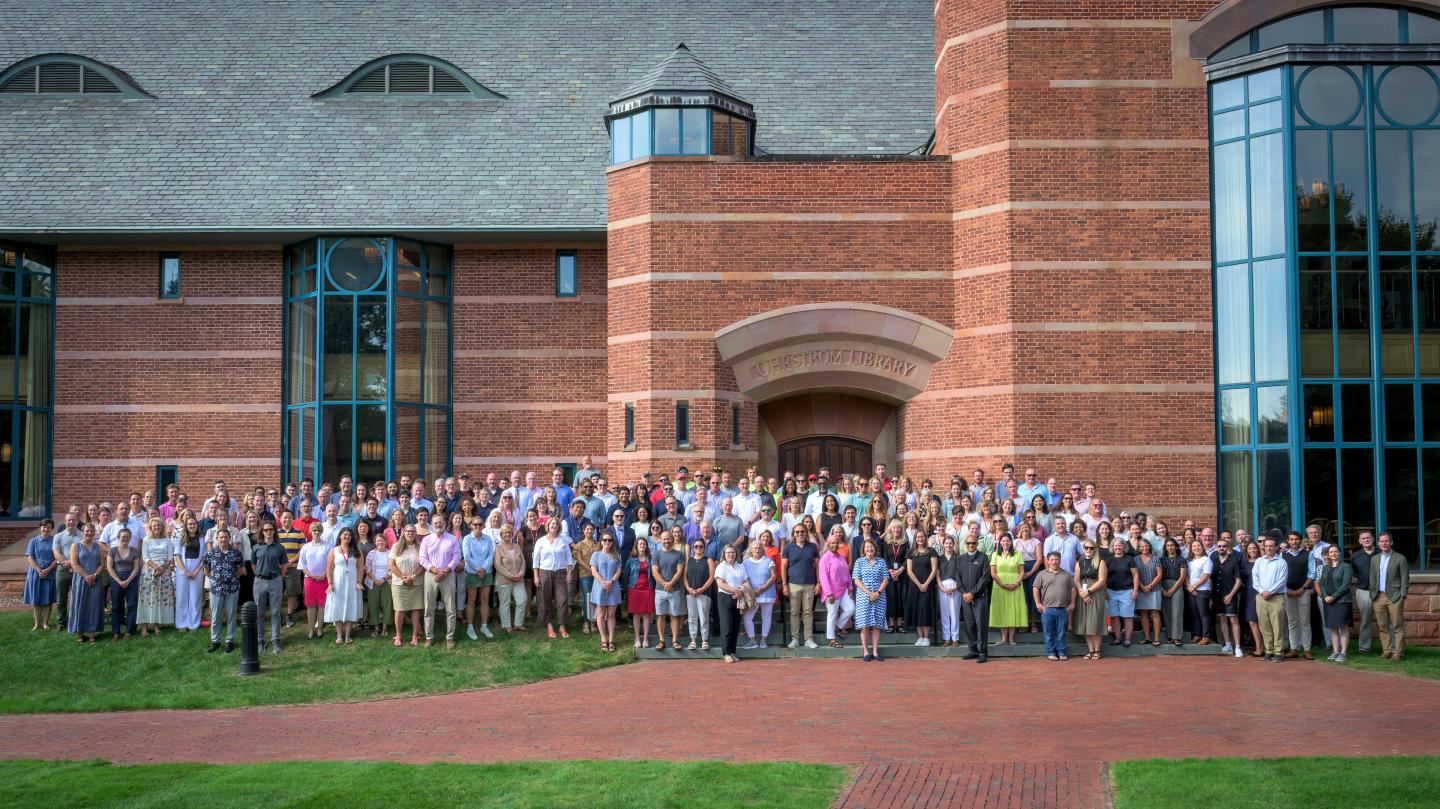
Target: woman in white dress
189	575
343	593
157	581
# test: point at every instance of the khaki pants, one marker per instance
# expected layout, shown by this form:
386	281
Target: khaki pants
1271	613
1297	618
445	590
1390	614
513	598
802	612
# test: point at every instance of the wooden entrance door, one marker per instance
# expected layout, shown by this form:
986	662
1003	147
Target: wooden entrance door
842	455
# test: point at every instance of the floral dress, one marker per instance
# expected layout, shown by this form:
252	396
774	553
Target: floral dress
870	614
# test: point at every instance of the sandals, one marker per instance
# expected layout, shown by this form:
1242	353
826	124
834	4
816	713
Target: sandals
835	644
705	646
397	641
660	647
691	647
637	644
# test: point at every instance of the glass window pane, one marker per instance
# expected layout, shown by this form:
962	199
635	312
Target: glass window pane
408	254
1229	125
1230	195
407	349
1300	29
1355	413
667	131
1235	416
1397	335
1272	415
1237	491
8	354
1430	415
300	351
1317	354
1423	29
1357	486
1427	194
170	276
302	255
406	441
1237	47
1322	504
9	256
437	443
8	467
1392	188
693	128
1407	95
1267	195
1352	315
1227	94
437	353
640	135
1261	86
1430	484
1319	413
1402	501
1232	320
1352	195
407	279
35	354
339	348
32	465
1329	95
566	275
1367	25
1400	412
371	348
1272	321
437	285
370	442
1265	117
296	447
1312	190
302	282
620	140
437	258
356	265
1272	467
336	433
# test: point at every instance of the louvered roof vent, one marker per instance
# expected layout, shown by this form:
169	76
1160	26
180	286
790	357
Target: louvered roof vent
410	75
66	74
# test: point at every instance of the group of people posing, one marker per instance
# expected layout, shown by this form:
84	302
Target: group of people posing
704	558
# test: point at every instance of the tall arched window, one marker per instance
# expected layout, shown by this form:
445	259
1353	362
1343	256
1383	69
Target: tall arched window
1325	158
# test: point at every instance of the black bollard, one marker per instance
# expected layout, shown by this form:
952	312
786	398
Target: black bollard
249	639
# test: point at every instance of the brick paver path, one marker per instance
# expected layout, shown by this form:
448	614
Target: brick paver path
1014	733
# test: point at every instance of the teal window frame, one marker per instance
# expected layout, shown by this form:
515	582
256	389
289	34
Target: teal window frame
632	136
165	291
629	426
682	424
27	282
567	274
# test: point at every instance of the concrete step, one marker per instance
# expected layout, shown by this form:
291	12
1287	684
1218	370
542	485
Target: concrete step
1075	646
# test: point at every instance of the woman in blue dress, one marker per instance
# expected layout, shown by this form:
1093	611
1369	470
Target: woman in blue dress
87	603
40	577
605	591
871	579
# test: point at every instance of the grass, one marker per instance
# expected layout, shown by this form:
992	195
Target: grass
593	784
1419	661
40	668
1281	783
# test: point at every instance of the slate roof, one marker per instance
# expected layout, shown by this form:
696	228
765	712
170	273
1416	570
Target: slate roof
681	70
234	141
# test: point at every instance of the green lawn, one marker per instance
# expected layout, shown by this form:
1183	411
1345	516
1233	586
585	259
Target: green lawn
1282	783
593	784
41	668
1420	661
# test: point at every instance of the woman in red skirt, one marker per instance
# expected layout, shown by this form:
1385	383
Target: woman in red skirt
640	592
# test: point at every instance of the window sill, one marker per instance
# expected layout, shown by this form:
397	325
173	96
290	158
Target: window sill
684	446
628	447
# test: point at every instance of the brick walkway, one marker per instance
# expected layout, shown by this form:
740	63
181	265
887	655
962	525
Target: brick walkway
1010	734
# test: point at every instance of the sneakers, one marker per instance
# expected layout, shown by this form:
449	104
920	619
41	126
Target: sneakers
1333	655
214	647
920	642
811	644
793	644
275	648
229	646
470	632
1340	657
1226	649
751	645
1239	652
762	644
485	630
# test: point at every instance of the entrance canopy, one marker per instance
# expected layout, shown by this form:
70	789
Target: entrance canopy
877	351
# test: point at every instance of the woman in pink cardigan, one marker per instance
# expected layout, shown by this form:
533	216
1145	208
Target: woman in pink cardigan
835	586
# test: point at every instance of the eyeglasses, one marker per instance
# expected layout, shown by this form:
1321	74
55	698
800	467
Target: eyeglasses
1088	547
1074	488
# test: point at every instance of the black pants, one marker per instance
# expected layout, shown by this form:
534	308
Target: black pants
122	606
1200	607
976	615
729	621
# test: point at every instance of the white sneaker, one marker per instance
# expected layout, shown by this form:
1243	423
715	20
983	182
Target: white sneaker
485	630
1226	649
920	642
810	644
1239	652
794	644
470	632
751	645
762	644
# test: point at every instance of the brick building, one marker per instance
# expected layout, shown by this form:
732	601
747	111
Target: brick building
294	241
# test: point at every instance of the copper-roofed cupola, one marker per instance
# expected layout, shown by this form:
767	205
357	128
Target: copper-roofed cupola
680	107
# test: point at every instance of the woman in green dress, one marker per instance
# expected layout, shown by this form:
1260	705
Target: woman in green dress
1007	599
1090	606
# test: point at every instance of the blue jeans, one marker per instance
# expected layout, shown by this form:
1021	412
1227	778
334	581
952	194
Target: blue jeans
1053	620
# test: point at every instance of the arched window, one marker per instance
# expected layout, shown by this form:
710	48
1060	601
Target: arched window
1325	157
410	75
66	74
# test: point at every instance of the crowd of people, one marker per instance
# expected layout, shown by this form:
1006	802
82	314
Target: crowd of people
708	557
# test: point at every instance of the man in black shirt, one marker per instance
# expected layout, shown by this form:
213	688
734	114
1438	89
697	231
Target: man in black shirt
1225	587
1360	562
974	587
1297	596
